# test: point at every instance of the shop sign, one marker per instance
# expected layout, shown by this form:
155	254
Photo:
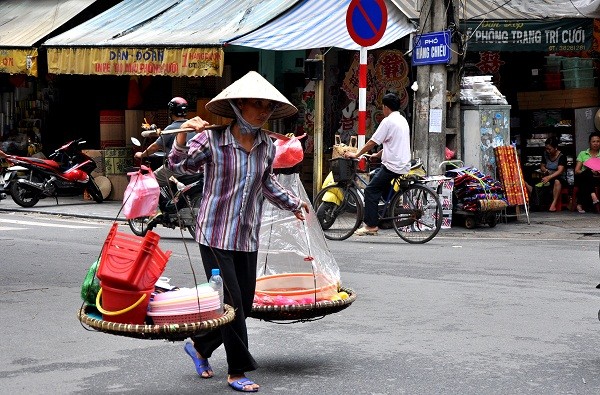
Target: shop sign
172	62
19	61
552	36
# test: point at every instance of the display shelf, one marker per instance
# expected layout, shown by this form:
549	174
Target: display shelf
540	125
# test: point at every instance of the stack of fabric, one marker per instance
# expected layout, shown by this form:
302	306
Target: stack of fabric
475	191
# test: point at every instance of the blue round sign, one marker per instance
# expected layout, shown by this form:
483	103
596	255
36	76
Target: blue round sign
366	21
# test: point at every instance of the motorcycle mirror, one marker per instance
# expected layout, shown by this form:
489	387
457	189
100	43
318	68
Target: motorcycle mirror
135	142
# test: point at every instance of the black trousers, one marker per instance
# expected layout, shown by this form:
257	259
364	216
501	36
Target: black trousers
379	186
586	184
238	270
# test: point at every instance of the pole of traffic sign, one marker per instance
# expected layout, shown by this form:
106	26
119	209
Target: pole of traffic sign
366	21
318	134
362	97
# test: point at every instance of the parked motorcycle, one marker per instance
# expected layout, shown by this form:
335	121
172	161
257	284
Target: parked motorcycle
178	204
67	172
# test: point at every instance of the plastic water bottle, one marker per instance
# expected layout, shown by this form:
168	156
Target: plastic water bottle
216	283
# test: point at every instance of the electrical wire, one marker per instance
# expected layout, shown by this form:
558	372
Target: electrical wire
574	6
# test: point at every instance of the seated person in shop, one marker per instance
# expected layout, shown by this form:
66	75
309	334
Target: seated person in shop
586	179
15	143
553	170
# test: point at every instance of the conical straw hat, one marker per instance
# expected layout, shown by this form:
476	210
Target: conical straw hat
250	86
104	185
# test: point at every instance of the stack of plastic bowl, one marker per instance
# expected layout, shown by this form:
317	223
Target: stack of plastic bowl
186	305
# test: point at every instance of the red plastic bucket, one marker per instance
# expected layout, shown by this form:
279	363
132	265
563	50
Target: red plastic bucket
122	306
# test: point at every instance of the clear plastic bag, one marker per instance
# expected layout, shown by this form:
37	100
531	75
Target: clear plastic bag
295	265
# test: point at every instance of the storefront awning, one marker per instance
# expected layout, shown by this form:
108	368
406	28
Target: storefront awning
514	9
317	24
171	38
24	23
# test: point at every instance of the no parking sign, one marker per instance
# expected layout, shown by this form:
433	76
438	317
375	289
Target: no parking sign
366	21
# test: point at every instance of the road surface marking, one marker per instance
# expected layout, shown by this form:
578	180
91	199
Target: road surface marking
50	225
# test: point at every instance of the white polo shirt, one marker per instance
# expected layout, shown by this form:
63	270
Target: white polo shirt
394	133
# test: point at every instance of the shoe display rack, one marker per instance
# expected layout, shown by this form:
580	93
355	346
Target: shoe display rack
539	125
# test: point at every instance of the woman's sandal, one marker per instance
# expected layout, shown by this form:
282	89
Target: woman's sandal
242	383
202	365
580	209
365	232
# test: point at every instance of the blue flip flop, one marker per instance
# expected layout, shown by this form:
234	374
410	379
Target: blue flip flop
239	385
202	365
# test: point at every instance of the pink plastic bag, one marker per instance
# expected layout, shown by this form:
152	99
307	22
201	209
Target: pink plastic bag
288	153
141	195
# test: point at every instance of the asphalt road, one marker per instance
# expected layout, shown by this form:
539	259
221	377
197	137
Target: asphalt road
458	315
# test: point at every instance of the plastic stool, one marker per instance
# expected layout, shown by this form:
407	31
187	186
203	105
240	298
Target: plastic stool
563	201
574	192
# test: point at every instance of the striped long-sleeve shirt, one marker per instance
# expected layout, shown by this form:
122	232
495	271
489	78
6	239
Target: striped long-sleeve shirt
235	185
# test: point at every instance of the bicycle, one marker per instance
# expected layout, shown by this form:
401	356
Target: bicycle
414	209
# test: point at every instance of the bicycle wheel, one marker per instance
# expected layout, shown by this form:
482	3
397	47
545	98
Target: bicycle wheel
417	213
338	221
139	226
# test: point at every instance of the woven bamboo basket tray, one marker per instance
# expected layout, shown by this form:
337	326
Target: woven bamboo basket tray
172	332
303	312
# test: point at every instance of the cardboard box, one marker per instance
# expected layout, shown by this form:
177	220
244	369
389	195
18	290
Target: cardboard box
566	98
133	125
112	128
118	185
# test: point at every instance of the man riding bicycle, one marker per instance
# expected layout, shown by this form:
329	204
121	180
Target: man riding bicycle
393	133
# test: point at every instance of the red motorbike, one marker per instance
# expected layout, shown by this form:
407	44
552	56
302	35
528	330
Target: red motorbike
67	172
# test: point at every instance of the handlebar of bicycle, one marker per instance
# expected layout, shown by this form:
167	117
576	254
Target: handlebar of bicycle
454	162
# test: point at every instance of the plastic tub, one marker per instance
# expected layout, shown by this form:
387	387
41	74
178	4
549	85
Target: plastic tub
296	286
576	83
578	73
123	306
576	62
553	60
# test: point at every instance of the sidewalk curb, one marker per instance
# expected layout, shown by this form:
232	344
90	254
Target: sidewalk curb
542	225
64	214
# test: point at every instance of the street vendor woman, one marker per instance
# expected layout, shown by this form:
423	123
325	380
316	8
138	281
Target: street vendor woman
237	164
